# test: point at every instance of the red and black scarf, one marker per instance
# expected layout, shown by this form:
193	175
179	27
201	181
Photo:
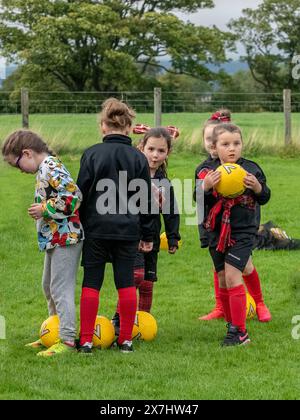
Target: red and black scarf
226	204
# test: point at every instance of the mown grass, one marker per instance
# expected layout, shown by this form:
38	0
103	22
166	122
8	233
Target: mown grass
71	133
185	361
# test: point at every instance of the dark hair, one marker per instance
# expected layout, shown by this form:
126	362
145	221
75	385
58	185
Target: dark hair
225	128
24	139
116	114
158	133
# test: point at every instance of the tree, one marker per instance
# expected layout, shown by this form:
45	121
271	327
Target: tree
107	45
183	93
241	93
270	35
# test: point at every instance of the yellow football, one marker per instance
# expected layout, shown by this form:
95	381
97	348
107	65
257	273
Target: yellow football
135	330
251	307
49	331
145	326
104	333
231	184
164	242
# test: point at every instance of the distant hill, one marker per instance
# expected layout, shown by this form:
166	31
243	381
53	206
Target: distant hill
230	68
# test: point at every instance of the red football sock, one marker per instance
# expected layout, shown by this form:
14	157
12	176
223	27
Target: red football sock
219	305
89	303
128	304
252	283
139	274
146	295
238	306
224	297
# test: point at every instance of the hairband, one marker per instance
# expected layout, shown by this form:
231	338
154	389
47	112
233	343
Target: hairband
217	116
143	128
174	132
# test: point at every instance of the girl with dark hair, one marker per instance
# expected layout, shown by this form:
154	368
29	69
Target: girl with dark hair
156	145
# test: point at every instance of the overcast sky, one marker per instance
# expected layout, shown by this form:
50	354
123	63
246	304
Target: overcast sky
220	15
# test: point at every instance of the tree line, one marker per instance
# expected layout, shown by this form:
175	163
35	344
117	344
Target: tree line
117	45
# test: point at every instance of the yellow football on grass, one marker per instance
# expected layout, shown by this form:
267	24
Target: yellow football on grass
104	333
49	332
145	326
251	307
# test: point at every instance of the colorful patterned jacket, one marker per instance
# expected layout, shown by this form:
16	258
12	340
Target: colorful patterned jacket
60	198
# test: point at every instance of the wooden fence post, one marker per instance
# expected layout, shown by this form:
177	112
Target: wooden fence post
25	107
157	107
287	106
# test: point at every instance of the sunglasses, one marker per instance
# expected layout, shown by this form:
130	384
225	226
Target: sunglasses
18	160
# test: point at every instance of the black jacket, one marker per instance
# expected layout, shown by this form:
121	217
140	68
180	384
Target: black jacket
243	220
208	165
105	161
170	215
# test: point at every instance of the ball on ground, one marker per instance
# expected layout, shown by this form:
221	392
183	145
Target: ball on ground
49	331
104	333
145	326
251	307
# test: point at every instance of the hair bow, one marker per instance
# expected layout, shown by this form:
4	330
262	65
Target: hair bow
143	128
217	116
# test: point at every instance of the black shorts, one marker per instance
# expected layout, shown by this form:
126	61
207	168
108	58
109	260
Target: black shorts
238	255
151	265
97	252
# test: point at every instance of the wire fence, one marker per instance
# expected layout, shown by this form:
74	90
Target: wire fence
143	102
72	102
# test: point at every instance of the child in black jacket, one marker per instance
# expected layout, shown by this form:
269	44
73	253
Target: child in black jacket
113	231
250	274
156	146
232	228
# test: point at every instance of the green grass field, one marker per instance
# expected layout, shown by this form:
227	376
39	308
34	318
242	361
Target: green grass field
71	133
185	361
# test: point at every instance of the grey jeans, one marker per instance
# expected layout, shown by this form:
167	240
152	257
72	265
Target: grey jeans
59	281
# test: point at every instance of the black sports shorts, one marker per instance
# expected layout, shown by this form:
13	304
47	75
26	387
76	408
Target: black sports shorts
97	252
238	255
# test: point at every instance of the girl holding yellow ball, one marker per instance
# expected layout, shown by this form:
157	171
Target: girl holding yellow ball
231	226
250	275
